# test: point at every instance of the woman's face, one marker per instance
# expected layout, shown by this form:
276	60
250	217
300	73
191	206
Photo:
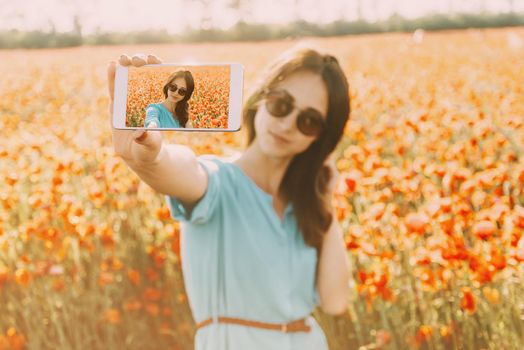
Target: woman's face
280	137
174	96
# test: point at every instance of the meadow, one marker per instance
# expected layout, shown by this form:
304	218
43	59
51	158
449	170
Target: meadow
430	197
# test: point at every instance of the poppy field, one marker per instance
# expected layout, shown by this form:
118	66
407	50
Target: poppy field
430	197
208	105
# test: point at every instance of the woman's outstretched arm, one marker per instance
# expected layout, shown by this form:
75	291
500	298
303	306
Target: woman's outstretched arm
174	172
152	116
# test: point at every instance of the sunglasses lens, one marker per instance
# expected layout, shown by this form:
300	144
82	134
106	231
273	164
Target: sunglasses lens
278	105
182	92
310	122
172	87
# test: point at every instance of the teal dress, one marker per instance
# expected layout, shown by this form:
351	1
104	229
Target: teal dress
239	259
156	112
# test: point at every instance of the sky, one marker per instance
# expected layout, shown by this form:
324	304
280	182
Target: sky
176	15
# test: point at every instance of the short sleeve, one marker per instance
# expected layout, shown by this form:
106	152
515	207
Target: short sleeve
206	205
152	115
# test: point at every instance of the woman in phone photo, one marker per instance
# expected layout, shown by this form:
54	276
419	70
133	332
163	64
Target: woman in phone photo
261	247
173	111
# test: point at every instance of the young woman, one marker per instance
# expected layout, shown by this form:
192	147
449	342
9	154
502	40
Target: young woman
260	244
173	111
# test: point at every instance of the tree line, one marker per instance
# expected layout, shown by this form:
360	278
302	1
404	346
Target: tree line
243	31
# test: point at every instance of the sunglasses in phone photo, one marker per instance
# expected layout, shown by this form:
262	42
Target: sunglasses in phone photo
280	103
173	88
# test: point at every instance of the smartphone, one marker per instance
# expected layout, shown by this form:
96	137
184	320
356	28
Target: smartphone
182	97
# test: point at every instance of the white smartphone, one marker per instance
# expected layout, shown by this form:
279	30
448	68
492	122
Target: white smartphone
182	97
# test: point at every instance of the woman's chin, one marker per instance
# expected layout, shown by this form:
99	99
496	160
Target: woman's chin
274	150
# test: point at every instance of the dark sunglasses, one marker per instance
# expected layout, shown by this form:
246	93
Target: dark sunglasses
280	103
173	88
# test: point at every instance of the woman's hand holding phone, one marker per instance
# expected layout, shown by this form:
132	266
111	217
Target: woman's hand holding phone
136	147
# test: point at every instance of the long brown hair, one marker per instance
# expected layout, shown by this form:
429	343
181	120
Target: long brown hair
182	107
305	182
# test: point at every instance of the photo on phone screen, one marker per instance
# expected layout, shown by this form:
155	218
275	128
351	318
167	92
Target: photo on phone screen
179	97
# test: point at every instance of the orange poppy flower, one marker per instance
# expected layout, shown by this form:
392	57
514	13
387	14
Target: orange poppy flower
468	302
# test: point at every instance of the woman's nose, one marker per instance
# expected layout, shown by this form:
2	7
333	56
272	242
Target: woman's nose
288	122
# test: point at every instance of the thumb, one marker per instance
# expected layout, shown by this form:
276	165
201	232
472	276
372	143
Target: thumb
141	135
149	138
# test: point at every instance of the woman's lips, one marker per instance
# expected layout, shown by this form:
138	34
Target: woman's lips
279	138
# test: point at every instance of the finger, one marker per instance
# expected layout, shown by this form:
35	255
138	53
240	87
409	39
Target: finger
111	112
152	125
124	60
334	169
332	166
140	135
330	163
150	138
111	68
139	60
152	59
331	159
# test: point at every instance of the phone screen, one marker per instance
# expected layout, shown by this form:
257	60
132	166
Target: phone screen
180	97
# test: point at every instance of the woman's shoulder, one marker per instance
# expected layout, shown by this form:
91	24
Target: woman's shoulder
220	164
220	160
157	106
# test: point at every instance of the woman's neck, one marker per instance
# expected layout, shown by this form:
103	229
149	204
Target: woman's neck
170	106
267	172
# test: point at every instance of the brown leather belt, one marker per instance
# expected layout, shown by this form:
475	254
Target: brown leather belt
295	326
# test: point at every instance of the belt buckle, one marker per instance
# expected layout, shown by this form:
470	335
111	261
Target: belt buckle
283	328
